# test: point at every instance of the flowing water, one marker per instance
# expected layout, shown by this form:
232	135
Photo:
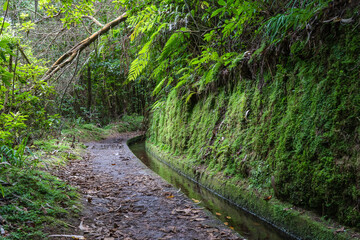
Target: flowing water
246	224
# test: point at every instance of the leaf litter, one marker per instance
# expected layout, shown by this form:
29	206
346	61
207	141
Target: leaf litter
123	199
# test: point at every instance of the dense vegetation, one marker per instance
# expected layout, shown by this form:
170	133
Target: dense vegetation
266	92
296	138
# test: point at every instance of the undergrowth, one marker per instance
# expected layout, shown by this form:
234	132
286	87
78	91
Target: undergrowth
33	202
85	132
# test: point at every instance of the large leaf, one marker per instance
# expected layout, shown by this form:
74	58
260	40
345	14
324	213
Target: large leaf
5	6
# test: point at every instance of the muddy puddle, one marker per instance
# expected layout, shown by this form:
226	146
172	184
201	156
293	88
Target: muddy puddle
241	221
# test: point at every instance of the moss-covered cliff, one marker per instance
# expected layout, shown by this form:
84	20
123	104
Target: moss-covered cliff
296	137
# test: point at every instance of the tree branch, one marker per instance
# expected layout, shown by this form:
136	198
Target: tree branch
67	57
44	18
94	20
23	54
6	12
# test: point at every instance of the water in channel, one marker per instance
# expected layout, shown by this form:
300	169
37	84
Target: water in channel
244	223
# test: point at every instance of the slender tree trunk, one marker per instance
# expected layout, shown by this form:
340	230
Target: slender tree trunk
7	89
13	82
89	100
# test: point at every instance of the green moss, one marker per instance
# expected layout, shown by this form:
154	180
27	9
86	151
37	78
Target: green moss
282	214
36	201
301	130
91	132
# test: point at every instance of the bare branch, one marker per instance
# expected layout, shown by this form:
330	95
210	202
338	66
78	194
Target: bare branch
94	20
23	54
44	18
82	22
69	56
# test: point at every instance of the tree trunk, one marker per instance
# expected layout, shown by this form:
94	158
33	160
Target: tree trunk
89	95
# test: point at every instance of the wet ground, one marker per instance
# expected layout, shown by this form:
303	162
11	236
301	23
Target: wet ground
123	199
245	223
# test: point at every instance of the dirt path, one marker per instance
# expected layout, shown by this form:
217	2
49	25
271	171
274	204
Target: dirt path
123	199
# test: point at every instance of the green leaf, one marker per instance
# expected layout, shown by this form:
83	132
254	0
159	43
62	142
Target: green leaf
180	83
158	87
189	96
5	6
216	12
2	190
6	77
2	55
222	2
6	24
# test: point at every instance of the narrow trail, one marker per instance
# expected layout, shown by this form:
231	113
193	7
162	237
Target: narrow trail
123	199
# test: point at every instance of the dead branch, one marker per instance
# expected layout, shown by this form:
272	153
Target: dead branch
23	54
44	18
68	236
94	20
69	56
82	22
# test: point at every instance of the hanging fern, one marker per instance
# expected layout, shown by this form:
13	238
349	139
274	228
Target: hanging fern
176	40
160	69
277	27
139	64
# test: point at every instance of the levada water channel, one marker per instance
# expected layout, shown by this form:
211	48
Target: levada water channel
246	224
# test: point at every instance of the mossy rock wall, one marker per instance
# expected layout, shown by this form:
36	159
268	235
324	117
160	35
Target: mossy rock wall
297	137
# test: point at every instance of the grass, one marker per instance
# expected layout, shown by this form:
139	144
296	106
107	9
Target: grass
86	132
32	201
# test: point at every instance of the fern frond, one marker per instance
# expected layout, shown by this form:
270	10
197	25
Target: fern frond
162	66
295	18
139	64
159	86
174	42
189	97
136	68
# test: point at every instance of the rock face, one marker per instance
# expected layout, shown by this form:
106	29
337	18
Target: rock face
292	132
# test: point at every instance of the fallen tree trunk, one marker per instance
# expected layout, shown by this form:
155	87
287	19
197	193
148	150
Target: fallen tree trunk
69	56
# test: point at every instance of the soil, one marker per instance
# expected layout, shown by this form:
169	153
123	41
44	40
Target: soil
123	199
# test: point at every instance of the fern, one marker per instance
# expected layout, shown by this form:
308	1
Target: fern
140	63
189	96
295	18
143	21
176	40
160	69
159	86
137	66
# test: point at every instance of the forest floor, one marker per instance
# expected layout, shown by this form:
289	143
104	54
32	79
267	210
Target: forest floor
123	199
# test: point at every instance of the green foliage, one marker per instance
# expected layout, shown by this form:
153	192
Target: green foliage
38	200
301	129
22	94
86	132
15	157
294	19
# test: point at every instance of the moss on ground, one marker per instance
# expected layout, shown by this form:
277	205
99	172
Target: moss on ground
34	201
86	132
